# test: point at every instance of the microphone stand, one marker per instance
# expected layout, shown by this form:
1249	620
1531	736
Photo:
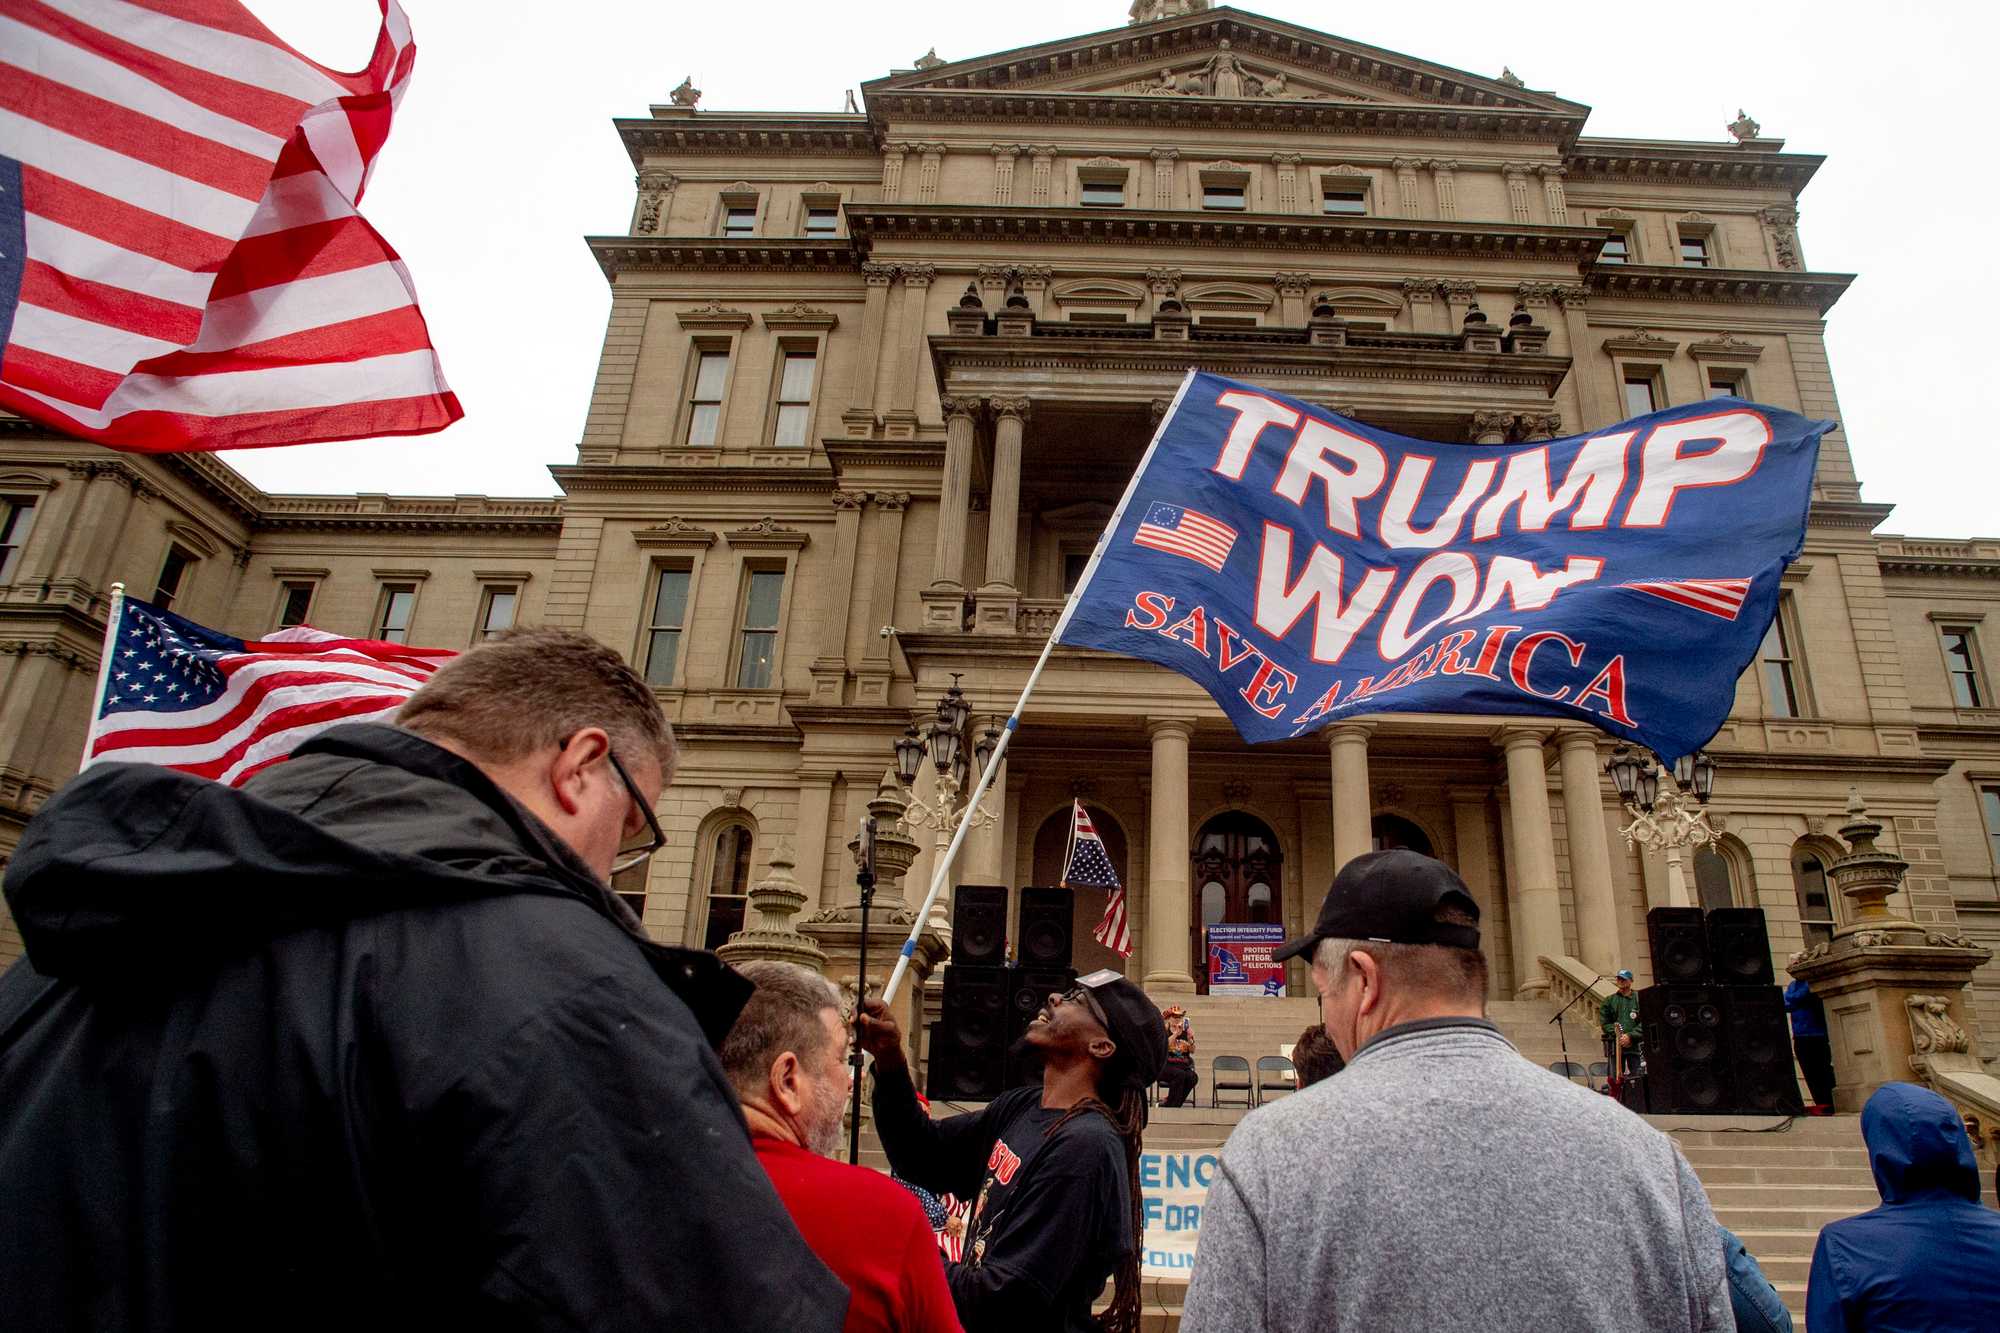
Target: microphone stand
864	878
1562	1032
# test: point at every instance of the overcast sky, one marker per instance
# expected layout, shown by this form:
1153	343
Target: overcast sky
503	158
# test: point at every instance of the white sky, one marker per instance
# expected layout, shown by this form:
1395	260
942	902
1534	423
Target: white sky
503	158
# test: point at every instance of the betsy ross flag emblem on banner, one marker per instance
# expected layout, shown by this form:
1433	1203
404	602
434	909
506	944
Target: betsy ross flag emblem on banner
1089	867
182	262
1179	531
175	693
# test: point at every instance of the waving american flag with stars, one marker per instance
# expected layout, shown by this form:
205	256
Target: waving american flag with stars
175	693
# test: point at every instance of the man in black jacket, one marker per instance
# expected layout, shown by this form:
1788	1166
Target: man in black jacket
370	1044
1053	1170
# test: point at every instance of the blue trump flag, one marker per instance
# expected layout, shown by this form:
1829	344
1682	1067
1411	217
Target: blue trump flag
1303	567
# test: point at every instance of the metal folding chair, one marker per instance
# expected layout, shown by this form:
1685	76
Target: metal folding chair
1239	1069
1284	1078
1570	1070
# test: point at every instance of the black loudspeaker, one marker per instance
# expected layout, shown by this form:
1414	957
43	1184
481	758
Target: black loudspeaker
1686	1038
1032	986
969	1047
1046	916
979	925
1759	1044
1739	952
1679	944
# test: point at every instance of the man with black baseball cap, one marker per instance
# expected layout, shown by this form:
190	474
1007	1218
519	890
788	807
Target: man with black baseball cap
1053	1170
1443	1182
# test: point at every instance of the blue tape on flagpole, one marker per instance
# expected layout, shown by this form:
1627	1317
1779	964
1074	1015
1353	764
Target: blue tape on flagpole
1013	724
909	948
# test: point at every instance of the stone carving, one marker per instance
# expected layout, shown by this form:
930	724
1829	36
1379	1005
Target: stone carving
1937	939
958	407
849	499
1510	78
1782	222
1743	129
1236	793
929	59
675	526
687	94
796	311
1806	956
878	275
1932	1030
732	797
1872	939
1420	289
654	187
764	527
1164	281
1293	284
1009	407
893	502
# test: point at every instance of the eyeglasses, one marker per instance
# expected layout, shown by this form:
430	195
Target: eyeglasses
659	838
1081	995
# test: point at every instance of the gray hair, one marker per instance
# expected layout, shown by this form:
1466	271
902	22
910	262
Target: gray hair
782	1015
1424	969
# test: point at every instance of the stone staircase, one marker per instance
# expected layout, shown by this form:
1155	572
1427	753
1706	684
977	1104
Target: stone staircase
1773	1183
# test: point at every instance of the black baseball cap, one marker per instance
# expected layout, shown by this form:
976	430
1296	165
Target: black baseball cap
1132	1021
1391	897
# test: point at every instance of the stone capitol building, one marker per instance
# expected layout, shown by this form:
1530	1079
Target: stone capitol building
893	367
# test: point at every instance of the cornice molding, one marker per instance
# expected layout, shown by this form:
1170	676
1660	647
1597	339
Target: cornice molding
1856	515
1727	347
769	134
799	315
766	534
660	254
1817	291
713	316
869	223
1670	163
581	478
1642	342
675	531
1971	558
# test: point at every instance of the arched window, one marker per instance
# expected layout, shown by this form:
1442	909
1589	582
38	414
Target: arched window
1051	846
630	886
1815	890
1236	862
1714	879
1393	831
728	883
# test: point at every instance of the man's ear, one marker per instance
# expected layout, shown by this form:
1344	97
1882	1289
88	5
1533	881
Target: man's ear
568	772
786	1093
1370	968
1103	1048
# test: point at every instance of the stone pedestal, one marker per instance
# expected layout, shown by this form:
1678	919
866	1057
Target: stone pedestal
1894	991
774	901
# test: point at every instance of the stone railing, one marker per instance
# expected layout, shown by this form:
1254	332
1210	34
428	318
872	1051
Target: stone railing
1568	978
1038	616
1941	1056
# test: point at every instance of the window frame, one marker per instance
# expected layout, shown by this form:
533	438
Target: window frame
701	912
1785	625
784	349
164	597
1975	667
1627	229
379	627
1695	229
689	565
1807	924
740	630
1984	793
286	587
1104	177
1343	182
1738	378
739	198
700	347
819	201
13	536
1241	189
489	591
1630	376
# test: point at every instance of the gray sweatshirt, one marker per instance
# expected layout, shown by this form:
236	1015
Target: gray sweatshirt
1443	1182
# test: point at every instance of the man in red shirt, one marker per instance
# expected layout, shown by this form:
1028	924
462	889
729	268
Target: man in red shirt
787	1058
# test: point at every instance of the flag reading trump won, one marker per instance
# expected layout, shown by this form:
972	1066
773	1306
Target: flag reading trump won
1303	567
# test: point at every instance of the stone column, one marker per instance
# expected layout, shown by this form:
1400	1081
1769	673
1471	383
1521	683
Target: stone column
986	846
1288	180
1589	851
1420	294
1469	831
1353	806
1516	174
1447	187
901	418
860	415
1292	297
927	175
999	598
1537	907
815	818
1552	194
1004	156
1600	404
1491	427
1163	176
1460	296
1168	907
1043	156
829	669
1407	202
943	600
872	677
892	171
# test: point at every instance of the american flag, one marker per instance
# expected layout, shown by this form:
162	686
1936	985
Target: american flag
182	265
1089	867
1722	598
1179	531
175	693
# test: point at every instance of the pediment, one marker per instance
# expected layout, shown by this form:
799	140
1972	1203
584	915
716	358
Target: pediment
1223	54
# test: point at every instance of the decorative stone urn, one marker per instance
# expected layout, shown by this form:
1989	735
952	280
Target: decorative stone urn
774	901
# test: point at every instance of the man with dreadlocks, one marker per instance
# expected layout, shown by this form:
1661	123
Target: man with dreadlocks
1054	1169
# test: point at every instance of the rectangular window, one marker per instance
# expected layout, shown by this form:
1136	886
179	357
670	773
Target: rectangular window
795	391
663	639
760	629
17	520
1640	397
497	615
1074	563
1989	806
1343	201
1102	193
1096	317
1725	384
1223	196
822	221
739	220
173	575
1961	660
1779	668
398	601
295	604
1617	250
711	376
1694	251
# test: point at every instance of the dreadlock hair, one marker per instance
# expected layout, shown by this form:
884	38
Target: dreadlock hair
1128	1117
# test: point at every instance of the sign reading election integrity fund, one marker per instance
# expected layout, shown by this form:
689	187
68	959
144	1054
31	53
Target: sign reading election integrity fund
1303	567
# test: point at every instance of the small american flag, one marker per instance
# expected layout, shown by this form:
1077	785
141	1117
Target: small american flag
1089	867
182	265
175	693
1184	532
1722	598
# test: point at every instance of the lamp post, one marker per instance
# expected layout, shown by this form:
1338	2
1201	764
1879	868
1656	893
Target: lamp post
944	742
1670	820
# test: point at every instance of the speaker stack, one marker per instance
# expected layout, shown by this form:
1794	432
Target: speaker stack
988	1001
1717	1039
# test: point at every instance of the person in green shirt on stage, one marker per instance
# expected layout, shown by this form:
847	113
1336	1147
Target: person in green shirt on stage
1618	1017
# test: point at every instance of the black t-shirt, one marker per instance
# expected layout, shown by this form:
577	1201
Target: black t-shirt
1052	1213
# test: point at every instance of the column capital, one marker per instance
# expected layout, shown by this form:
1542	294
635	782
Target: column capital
1577	738
1444	165
1002	408
1552	172
1165	154
917	275
1288	159
1468	795
1007	150
1349	732
894	502
849	499
1407	163
878	275
1519	738
1170	726
955	407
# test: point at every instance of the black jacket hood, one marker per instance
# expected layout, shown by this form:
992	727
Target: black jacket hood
132	866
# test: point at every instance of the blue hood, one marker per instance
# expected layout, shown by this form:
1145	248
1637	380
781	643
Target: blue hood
1917	1144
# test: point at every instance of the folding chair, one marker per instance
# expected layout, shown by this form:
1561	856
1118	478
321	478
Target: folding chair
1600	1076
1570	1070
1239	1069
1284	1078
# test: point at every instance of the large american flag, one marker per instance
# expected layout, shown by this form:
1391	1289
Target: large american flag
176	693
1089	867
1184	532
182	265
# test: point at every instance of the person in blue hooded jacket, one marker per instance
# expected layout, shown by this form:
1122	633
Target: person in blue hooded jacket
1927	1260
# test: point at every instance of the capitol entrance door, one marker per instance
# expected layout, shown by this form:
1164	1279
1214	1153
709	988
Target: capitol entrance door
1236	879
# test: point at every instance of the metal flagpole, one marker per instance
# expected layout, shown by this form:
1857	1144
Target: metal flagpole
942	873
103	669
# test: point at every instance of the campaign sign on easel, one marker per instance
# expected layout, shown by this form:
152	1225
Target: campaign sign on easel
1239	959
